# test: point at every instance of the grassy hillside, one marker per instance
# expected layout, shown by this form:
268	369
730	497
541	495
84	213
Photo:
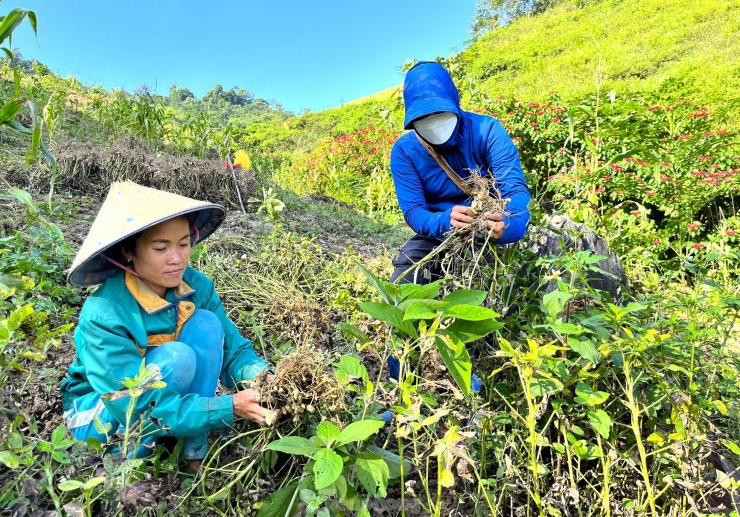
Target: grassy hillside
627	45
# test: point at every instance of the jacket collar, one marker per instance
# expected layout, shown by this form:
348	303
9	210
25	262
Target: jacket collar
148	299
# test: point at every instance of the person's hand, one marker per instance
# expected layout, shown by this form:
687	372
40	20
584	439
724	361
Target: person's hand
246	406
461	216
496	224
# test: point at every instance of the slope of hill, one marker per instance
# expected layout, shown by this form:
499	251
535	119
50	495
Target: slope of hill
626	45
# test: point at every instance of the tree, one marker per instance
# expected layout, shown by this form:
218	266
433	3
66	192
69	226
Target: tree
180	94
489	14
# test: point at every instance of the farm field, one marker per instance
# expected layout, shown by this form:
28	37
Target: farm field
590	401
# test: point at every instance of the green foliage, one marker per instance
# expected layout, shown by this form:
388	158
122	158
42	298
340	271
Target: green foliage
535	55
354	168
338	468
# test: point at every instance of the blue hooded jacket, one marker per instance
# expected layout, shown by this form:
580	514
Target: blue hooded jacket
425	193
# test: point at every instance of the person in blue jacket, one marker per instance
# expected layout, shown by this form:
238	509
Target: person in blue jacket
153	307
431	202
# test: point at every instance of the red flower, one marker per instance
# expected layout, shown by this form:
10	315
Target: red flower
693	227
650	194
730	233
555	120
635	213
698	246
656	241
642	164
599	190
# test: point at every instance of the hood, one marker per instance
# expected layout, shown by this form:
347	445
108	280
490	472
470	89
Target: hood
427	89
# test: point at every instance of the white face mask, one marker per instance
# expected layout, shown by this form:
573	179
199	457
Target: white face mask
436	128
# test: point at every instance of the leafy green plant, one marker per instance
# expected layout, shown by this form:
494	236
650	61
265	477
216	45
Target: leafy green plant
270	204
339	468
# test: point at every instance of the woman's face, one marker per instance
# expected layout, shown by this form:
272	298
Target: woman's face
162	254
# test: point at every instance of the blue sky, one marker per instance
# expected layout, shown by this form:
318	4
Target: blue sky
304	54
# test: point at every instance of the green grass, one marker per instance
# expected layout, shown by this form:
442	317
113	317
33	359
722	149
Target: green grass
628	45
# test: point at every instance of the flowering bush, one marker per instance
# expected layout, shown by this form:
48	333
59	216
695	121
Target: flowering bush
353	167
655	175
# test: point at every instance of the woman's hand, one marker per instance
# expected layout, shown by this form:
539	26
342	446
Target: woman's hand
246	406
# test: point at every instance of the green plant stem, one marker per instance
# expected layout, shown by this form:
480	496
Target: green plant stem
637	432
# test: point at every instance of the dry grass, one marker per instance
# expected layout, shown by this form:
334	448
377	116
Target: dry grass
86	169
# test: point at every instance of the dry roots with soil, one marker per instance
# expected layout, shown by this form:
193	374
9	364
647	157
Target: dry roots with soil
302	384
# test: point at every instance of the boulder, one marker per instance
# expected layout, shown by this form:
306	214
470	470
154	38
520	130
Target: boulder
559	233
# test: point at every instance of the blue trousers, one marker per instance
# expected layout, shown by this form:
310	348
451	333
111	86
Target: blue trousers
190	365
415	249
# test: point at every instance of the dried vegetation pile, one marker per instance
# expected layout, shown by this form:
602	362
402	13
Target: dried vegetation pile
86	169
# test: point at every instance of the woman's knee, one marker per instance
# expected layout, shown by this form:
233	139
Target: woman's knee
207	322
176	362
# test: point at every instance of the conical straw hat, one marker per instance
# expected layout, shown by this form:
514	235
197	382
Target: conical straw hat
129	209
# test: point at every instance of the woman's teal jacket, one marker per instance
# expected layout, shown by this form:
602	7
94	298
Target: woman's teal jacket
117	323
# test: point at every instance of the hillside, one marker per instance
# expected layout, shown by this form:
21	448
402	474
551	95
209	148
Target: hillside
626	45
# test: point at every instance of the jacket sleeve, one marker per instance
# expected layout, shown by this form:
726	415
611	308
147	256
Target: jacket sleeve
241	362
110	356
503	159
410	193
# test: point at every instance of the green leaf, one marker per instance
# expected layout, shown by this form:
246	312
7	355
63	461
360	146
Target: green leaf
327	432
376	283
359	431
71	484
12	20
567	328
93	482
420	291
468	331
470	312
350	331
457	360
307	495
585	349
419	311
293	445
588	396
373	473
58	436
10	460
542	385
466	297
392	459
60	457
353	367
600	421
327	467
281	503
554	302
391	315
734	448
18	316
